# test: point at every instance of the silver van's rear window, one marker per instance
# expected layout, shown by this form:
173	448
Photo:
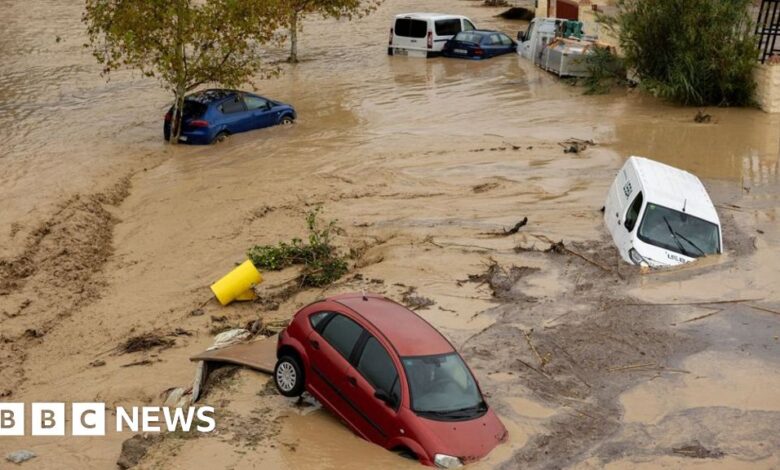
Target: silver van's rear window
410	28
447	27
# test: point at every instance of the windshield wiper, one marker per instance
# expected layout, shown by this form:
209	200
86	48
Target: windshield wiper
467	411
692	244
674	237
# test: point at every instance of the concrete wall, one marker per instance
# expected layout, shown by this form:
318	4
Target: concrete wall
767	78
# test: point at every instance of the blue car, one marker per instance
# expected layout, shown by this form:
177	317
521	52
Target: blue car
212	115
479	44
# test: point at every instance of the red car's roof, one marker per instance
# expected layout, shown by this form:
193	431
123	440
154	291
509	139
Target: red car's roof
408	333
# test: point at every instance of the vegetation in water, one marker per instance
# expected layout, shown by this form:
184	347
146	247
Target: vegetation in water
605	70
321	260
694	52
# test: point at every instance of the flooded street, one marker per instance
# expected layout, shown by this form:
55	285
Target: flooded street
106	232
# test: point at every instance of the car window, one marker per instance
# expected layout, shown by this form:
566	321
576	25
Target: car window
342	333
495	40
468	25
255	102
505	40
447	27
377	367
633	213
193	109
233	105
317	318
406	27
468	37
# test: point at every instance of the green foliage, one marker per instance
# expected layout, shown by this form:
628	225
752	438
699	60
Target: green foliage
694	52
322	263
182	43
605	71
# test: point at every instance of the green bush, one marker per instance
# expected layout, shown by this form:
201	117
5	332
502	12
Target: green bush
322	264
694	52
605	70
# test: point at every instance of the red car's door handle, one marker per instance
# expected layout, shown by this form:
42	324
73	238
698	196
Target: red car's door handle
352	381
314	343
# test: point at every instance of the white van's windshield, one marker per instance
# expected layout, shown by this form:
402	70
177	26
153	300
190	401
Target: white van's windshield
679	232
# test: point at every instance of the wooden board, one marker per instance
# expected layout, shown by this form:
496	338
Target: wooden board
259	354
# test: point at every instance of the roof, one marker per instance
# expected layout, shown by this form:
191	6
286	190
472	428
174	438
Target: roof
427	16
407	331
210	95
674	188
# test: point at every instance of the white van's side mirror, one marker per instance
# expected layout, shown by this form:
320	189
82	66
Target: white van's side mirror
521	36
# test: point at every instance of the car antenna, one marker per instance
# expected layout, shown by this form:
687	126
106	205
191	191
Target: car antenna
685	204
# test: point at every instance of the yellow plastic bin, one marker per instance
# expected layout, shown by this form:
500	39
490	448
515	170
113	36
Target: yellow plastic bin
237	284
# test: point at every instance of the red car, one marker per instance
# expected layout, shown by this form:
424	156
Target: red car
390	376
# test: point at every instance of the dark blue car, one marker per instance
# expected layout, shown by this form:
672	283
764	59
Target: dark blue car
479	44
212	115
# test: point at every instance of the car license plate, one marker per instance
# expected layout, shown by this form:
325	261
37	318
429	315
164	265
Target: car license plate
460	51
183	138
398	51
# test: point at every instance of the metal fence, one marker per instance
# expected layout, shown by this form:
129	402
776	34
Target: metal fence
768	29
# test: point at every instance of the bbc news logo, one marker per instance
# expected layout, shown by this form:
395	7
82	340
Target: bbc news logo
89	419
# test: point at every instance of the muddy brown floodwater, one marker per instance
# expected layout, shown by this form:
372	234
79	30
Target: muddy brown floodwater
106	233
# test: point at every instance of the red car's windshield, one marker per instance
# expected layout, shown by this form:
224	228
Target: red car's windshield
443	386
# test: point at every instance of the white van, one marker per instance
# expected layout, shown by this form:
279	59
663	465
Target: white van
659	215
424	34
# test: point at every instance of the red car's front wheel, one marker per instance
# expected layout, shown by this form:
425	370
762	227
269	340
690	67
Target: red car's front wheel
288	376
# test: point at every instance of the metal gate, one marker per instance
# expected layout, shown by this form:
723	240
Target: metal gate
768	29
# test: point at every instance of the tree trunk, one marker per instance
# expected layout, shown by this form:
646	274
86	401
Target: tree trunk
178	113
293	38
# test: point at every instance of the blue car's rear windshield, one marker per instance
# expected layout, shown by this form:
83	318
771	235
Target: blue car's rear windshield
193	109
466	36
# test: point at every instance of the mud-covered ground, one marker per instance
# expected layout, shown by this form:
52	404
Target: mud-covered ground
106	235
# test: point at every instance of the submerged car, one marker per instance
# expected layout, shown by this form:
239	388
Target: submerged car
479	44
390	376
659	215
211	115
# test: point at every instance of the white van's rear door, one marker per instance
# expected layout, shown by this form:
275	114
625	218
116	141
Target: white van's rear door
409	34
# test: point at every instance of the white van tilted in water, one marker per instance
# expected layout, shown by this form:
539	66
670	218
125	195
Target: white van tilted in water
659	215
424	34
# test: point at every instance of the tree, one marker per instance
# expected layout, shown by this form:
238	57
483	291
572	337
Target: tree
183	43
293	12
694	52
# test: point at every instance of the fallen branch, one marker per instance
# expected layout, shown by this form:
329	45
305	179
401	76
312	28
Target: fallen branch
559	246
764	309
701	316
703	302
542	361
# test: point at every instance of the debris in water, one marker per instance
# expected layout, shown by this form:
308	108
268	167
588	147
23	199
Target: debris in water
20	456
500	280
517	13
144	362
135	448
575	145
484	187
702	117
505	233
414	301
145	342
97	363
197	312
698	451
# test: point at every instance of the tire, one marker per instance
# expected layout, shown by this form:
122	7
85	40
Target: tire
389	51
288	376
219	138
286	121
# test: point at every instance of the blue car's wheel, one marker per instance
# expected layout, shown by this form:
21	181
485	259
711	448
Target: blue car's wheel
220	137
286	120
